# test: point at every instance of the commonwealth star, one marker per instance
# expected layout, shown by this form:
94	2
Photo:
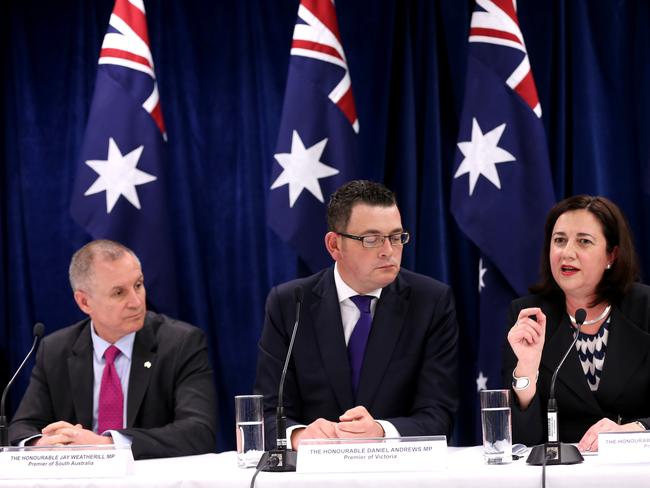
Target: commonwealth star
302	169
118	175
482	154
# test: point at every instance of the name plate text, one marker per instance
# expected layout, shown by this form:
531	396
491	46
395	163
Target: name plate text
391	454
65	463
624	447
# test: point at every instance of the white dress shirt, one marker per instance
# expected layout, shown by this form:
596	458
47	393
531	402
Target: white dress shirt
350	313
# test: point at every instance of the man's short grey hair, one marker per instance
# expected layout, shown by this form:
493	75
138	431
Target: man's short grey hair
81	269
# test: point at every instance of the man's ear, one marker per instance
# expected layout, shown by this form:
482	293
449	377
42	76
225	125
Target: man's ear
332	244
81	297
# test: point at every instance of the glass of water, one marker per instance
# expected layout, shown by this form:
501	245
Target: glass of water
249	425
497	426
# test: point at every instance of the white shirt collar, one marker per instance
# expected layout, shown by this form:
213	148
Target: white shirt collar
344	291
125	344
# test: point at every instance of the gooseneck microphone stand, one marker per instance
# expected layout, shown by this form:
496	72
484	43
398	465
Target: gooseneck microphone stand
283	458
554	451
39	328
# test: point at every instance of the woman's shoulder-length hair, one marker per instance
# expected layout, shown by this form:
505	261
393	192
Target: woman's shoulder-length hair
624	270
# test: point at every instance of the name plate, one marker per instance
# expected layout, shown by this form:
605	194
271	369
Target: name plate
363	455
624	447
65	462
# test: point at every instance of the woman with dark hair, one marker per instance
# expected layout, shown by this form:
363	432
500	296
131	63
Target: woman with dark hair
588	262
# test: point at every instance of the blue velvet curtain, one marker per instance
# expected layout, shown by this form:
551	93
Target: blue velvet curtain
221	68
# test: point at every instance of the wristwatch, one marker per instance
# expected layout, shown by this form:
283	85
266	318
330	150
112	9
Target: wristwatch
521	382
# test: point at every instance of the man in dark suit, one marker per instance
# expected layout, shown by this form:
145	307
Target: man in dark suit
376	349
156	391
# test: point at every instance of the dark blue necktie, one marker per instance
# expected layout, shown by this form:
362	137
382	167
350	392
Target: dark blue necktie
359	338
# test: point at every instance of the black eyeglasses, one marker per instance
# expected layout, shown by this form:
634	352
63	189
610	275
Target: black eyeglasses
376	240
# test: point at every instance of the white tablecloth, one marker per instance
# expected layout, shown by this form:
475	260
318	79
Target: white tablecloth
465	469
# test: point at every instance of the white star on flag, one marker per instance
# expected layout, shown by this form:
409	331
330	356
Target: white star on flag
118	175
481	382
482	154
481	273
302	169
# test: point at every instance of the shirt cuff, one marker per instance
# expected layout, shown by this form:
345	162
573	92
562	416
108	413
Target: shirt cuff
24	442
119	439
389	429
290	431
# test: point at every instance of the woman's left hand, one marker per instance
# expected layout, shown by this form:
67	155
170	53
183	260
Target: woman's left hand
589	441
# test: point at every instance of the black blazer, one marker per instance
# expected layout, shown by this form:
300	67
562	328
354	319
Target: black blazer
624	390
409	374
171	409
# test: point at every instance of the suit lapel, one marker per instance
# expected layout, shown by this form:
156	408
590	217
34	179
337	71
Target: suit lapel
627	349
80	369
571	374
144	353
328	328
387	325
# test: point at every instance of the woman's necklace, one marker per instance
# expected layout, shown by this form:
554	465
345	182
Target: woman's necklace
593	321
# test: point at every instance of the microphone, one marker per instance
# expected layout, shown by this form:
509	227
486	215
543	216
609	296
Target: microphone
554	451
282	458
38	330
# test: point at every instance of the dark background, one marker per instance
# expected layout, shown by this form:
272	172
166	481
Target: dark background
221	69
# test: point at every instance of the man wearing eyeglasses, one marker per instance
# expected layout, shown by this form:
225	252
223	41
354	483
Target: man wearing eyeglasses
376	350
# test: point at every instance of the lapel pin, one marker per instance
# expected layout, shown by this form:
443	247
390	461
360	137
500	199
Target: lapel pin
147	365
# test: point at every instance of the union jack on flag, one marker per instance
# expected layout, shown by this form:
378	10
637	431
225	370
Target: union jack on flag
316	151
502	186
126	44
119	190
499	25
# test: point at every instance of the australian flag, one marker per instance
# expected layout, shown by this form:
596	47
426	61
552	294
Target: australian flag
316	151
119	190
502	187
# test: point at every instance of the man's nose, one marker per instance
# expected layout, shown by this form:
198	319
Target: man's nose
386	249
135	298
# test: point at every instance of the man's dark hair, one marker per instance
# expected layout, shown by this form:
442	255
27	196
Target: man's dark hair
625	269
351	193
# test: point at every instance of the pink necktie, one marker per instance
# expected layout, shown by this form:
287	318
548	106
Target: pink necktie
111	399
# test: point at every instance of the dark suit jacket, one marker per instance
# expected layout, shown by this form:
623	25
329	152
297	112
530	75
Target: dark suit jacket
624	388
171	408
409	374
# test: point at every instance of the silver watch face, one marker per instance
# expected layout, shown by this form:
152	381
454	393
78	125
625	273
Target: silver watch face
521	383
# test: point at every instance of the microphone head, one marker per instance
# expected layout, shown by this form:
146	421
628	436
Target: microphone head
297	291
39	329
581	315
